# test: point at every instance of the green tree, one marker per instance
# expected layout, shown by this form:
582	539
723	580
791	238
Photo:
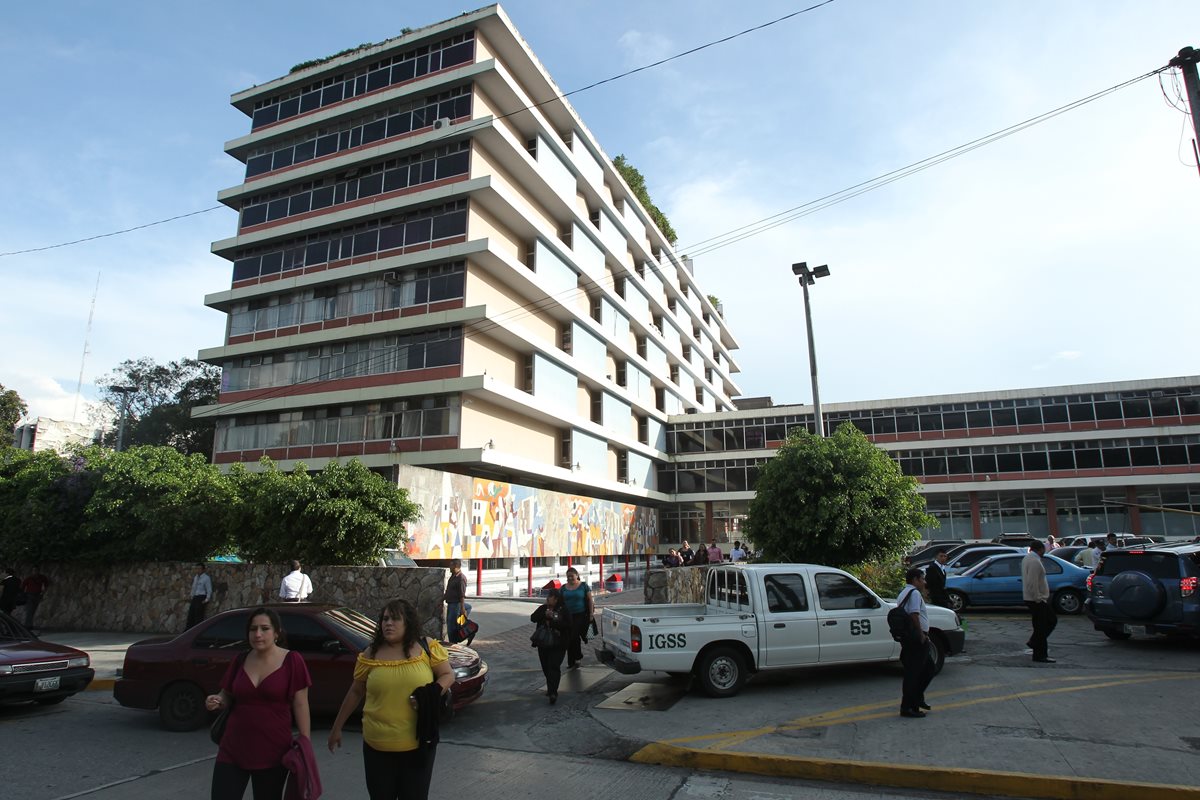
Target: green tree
12	409
344	514
637	183
161	401
157	504
43	496
838	500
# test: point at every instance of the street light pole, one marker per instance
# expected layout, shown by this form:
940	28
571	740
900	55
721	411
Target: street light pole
124	391
807	277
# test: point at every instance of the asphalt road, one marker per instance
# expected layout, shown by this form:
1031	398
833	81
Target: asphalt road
1117	711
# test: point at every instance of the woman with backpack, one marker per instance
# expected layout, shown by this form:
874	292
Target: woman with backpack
550	638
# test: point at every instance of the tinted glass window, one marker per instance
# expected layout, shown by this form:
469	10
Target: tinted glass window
1052	566
839	592
304	633
1003	417
1001	568
1034	461
979	419
1029	415
224	634
1054	413
1156	565
1108	410
785	593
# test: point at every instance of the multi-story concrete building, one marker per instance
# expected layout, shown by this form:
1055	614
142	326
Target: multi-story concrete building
1061	460
436	265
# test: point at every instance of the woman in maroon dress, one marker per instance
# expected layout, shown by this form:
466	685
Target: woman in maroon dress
269	689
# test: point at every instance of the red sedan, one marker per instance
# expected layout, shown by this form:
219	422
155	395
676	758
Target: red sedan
31	669
175	674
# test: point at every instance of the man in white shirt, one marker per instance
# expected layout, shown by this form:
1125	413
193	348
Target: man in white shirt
295	587
737	553
201	593
914	652
1036	592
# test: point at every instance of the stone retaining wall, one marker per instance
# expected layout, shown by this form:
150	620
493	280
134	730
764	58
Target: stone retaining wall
676	584
153	597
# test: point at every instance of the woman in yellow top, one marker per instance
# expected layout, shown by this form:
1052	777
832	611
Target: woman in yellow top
387	673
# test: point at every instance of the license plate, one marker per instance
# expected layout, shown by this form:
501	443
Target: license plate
47	684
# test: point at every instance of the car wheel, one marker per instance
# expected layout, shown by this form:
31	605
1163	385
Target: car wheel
51	701
958	600
1068	601
722	671
937	651
1116	636
181	707
1136	594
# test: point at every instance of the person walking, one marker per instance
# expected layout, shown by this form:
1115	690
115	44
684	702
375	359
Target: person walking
737	553
914	651
201	593
577	597
557	619
268	688
715	556
1036	591
935	580
34	587
455	598
10	590
296	587
396	675
686	553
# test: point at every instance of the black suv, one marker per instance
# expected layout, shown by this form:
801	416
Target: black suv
1151	590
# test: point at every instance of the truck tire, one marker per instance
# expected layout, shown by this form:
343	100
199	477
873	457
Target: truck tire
722	671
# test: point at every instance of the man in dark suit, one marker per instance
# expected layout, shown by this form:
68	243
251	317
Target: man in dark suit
935	580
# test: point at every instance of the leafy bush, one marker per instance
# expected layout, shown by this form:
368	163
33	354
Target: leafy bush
885	578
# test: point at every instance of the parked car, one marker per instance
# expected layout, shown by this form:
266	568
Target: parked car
1071	554
396	558
951	552
175	674
969	558
1150	590
1016	540
997	582
1123	539
926	551
32	669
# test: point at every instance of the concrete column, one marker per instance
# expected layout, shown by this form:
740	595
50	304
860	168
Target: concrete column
976	527
1052	513
1135	513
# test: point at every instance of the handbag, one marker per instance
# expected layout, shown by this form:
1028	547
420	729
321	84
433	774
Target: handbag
217	730
544	636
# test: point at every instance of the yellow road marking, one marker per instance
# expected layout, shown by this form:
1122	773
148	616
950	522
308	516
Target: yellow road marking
862	713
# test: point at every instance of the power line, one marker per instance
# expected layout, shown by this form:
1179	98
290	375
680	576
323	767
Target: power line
466	128
113	233
749	230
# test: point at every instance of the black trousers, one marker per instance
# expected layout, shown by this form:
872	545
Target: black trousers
1044	621
229	782
579	627
195	611
398	776
551	658
918	672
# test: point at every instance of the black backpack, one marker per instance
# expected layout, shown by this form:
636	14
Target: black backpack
900	621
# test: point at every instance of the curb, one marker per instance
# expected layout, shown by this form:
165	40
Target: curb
969	781
100	685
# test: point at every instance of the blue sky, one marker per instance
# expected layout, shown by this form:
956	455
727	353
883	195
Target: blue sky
1058	255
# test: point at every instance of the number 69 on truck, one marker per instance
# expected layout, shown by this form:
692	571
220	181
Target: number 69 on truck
758	617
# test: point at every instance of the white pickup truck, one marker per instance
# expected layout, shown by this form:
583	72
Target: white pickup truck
763	616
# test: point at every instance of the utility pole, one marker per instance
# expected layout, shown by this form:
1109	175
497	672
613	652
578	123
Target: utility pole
1186	62
808	276
124	391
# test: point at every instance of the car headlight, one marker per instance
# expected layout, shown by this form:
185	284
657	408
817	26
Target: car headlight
79	661
5	669
462	672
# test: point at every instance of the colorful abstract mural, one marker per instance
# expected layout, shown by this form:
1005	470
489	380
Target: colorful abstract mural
466	517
